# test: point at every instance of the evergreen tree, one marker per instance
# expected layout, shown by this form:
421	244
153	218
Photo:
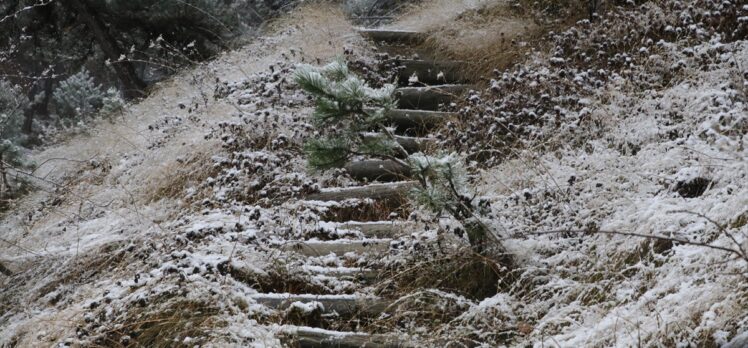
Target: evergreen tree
79	97
347	110
12	104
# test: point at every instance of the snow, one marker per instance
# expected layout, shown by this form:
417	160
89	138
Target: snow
98	232
111	247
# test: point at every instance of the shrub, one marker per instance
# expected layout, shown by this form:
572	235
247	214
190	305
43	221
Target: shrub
12	104
79	97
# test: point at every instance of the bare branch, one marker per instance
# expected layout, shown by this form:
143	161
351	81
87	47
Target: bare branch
640	235
41	3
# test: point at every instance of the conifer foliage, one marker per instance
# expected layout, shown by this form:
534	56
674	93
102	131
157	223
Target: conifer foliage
352	121
79	97
12	104
347	111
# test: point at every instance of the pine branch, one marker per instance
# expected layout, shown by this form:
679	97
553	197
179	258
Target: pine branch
327	153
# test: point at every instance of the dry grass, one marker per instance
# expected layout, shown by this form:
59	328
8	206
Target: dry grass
487	34
173	178
109	258
179	323
459	271
486	40
381	210
323	27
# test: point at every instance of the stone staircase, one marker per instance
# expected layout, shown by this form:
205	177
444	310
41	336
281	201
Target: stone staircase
424	86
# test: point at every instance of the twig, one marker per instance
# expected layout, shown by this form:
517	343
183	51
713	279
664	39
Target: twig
41	3
19	247
641	235
720	228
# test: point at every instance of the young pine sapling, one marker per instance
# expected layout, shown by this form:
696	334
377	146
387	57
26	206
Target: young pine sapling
352	120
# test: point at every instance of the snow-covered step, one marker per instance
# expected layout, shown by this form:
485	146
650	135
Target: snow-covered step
363	274
430	72
338	247
393	36
381	170
410	144
415	144
379	229
309	337
344	305
428	98
418	120
393	190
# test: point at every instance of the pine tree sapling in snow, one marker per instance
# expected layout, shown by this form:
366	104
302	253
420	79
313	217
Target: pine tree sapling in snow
443	188
347	109
79	97
112	102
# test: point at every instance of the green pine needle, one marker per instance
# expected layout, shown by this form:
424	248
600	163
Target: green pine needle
327	153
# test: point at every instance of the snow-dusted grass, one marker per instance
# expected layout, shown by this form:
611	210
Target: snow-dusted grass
649	151
647	138
134	186
484	34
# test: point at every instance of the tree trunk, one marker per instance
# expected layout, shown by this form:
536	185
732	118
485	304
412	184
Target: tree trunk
4	185
132	85
41	108
592	7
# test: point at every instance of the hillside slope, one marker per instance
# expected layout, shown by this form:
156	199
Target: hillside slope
610	157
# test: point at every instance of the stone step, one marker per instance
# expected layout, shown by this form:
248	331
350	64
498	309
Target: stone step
428	98
395	190
309	337
377	170
338	247
344	305
393	36
430	72
417	121
379	229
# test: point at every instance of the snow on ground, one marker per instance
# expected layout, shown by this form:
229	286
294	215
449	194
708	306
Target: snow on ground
668	161
168	211
118	227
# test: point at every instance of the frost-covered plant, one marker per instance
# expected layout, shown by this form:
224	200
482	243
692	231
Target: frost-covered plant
346	108
12	104
444	188
78	96
112	102
444	178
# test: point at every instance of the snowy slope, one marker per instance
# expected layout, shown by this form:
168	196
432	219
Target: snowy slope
169	213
